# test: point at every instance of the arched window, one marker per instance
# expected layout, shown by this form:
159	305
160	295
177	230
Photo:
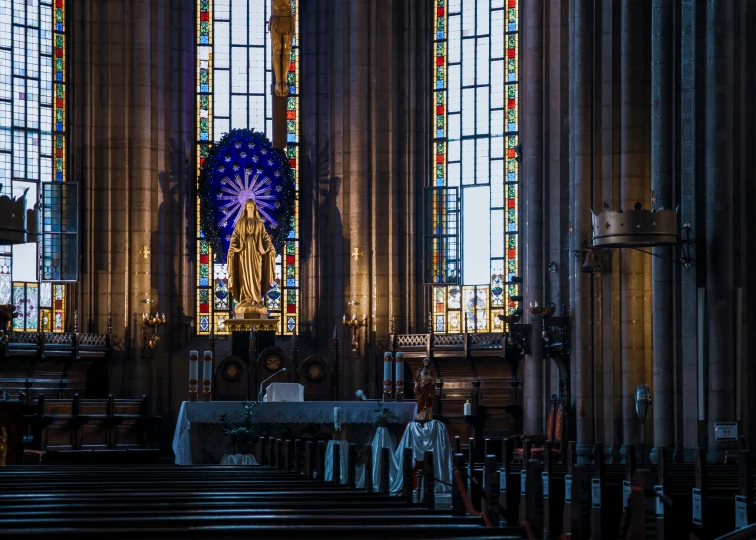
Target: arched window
33	160
471	231
234	76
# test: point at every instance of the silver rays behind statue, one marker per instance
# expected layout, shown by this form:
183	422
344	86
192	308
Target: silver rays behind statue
235	192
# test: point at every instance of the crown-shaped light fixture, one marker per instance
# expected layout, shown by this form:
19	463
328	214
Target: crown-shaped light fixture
634	228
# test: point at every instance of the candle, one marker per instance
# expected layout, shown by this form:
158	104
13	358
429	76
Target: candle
399	365
387	358
337	418
468	408
193	375
207	373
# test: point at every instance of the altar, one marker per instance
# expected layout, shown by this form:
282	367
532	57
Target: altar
198	428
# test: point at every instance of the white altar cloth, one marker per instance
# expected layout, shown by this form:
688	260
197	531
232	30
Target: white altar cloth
305	412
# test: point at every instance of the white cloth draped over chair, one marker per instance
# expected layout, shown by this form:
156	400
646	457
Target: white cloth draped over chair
421	438
343	461
383	439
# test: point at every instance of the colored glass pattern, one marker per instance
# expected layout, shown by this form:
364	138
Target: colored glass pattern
33	131
234	77
475	128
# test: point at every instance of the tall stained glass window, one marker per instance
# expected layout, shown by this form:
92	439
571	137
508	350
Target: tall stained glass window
32	149
475	135
234	77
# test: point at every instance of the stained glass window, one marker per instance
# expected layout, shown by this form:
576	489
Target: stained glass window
33	149
234	78
475	127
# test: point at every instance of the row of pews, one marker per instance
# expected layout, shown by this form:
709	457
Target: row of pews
663	500
287	498
76	429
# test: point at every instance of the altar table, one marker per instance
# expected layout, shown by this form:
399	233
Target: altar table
187	443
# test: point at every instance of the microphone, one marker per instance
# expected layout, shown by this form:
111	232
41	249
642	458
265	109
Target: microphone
260	395
360	394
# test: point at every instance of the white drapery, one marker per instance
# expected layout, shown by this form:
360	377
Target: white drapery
306	412
420	437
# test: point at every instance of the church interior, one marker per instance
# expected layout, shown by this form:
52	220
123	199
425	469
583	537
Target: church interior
372	268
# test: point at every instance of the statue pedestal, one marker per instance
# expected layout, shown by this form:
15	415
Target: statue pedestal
246	324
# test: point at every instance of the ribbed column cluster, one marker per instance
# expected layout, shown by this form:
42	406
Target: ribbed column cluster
133	133
366	126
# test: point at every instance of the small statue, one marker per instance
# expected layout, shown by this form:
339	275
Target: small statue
281	26
251	263
425	392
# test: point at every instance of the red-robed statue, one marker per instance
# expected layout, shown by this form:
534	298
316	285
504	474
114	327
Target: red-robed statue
425	392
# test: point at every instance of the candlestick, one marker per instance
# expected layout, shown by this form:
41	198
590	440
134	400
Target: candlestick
468	408
207	375
399	365
387	358
193	375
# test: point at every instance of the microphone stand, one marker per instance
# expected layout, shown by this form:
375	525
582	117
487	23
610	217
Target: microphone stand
260	393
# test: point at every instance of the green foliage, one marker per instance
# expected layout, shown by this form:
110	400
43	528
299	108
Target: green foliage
244	432
384	417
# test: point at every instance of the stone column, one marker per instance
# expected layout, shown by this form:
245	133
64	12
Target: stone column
359	169
133	133
662	156
557	161
691	149
366	122
533	208
720	298
635	187
581	184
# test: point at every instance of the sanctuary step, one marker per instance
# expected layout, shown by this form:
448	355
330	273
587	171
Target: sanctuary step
162	501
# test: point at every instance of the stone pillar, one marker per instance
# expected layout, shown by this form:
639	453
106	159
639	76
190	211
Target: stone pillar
366	122
720	297
581	186
557	161
359	166
662	159
132	125
691	127
635	187
533	208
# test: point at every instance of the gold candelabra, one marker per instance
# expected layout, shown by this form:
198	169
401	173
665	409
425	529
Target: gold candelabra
150	337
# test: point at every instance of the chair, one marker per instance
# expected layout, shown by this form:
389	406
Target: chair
231	381
61	417
554	432
315	376
130	417
95	434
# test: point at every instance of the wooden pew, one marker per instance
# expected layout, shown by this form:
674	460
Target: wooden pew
209	502
553	494
509	482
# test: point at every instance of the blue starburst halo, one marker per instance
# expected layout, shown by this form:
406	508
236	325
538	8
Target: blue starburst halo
244	165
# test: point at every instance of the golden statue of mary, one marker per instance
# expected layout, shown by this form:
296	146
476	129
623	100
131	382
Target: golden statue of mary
251	264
